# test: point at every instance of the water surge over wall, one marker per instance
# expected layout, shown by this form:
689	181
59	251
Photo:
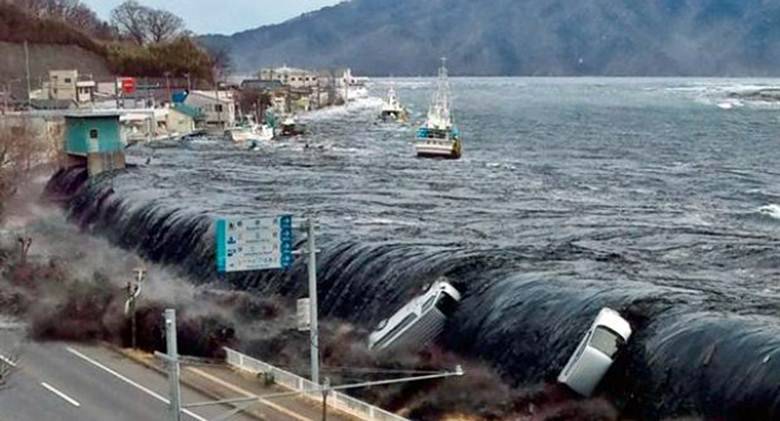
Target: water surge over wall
692	353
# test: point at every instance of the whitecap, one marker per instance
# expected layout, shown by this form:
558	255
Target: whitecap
772	211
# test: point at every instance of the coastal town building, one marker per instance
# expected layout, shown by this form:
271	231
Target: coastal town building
290	76
181	119
217	107
68	85
260	85
95	141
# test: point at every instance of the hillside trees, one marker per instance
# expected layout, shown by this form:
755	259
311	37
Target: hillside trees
178	57
72	12
144	25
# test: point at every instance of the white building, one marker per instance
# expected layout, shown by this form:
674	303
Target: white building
290	76
67	85
217	107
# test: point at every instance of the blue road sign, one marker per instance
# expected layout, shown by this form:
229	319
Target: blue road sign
254	244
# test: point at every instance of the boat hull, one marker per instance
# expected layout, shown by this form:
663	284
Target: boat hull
427	150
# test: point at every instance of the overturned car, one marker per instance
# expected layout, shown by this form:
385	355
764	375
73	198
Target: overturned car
596	352
417	323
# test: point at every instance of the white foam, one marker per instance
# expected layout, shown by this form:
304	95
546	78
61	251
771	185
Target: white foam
772	211
356	106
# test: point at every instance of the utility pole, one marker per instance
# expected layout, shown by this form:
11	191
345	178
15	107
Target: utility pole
173	365
27	66
325	392
6	94
168	86
218	106
313	328
133	292
24	248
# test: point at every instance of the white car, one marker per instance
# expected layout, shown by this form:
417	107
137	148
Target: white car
417	323
596	352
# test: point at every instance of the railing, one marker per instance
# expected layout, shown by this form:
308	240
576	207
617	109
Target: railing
336	400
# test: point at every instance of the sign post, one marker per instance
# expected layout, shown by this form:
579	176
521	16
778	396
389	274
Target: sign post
267	243
314	328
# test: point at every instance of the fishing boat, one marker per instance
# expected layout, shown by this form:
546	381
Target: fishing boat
356	88
438	137
289	127
247	130
392	110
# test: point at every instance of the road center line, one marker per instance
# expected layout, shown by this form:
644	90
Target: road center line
7	361
131	383
67	398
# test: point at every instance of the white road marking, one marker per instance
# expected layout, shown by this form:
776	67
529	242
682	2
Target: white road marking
132	383
67	398
7	361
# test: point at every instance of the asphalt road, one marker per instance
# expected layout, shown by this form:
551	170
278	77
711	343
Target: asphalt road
63	382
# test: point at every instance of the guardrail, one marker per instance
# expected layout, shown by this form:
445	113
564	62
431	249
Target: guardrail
336	400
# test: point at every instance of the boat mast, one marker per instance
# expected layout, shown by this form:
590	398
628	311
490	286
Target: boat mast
440	105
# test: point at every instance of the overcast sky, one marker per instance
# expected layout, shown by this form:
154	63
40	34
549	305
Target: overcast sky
223	16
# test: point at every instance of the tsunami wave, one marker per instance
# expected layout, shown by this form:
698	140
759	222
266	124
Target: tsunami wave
690	353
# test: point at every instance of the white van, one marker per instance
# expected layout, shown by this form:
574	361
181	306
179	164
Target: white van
417	323
596	352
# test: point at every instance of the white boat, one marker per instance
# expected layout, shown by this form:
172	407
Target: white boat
249	131
290	127
438	137
392	110
417	323
356	89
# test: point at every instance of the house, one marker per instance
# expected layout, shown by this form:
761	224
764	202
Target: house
94	140
61	84
261	85
85	91
290	76
181	119
68	85
217	107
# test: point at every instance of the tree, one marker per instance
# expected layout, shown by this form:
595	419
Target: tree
19	151
163	25
131	20
72	12
143	24
221	63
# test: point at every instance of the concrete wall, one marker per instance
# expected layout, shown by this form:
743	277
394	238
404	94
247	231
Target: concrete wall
49	131
45	57
105	161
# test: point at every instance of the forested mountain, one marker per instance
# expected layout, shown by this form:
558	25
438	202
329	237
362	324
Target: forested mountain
523	37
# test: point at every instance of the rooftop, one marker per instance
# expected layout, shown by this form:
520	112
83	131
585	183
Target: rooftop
92	114
225	96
